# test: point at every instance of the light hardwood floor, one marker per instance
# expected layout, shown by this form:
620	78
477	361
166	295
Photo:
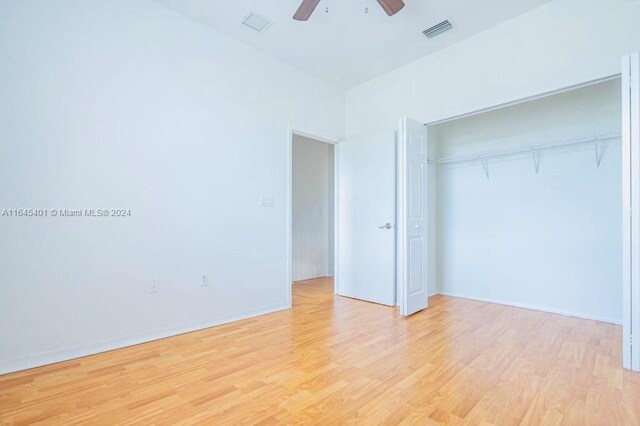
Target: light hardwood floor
331	360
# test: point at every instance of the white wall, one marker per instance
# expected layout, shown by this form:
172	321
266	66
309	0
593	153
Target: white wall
126	104
560	44
551	240
312	233
557	45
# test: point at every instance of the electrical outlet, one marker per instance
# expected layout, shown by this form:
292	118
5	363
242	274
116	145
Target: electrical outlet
155	286
204	280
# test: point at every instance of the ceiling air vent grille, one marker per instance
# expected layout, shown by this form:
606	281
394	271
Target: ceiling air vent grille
256	22
438	29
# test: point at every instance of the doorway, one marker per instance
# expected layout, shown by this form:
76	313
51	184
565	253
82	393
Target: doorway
312	210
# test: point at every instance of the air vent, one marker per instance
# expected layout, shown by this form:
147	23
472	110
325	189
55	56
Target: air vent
438	29
256	22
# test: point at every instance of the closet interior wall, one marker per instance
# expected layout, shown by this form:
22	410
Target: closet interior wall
542	229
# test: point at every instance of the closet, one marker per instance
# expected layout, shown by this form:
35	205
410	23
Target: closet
528	204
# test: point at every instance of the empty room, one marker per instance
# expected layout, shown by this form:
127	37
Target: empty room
320	212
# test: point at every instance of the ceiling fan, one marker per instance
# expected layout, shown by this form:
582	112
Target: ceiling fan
308	6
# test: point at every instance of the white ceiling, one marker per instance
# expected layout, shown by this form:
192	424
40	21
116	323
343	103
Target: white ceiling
347	46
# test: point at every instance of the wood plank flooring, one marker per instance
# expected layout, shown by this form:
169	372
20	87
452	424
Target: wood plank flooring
332	360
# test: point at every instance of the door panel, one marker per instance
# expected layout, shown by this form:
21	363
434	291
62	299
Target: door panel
367	199
416	273
412	217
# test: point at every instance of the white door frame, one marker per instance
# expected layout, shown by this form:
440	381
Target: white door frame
631	211
525	99
290	133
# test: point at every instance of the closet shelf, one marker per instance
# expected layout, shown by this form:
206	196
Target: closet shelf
533	149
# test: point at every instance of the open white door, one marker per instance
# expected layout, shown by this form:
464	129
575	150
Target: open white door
631	210
412	217
366	218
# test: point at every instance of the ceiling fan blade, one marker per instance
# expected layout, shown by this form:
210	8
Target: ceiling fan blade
305	10
391	6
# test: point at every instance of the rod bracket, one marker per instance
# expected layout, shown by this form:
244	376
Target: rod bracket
536	159
485	166
599	153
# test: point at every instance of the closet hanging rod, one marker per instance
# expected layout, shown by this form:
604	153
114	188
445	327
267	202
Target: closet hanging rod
489	155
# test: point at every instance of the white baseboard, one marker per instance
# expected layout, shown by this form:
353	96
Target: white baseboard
534	308
66	354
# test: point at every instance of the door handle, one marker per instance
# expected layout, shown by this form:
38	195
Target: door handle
385	226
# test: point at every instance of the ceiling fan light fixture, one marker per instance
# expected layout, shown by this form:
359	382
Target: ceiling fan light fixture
306	8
